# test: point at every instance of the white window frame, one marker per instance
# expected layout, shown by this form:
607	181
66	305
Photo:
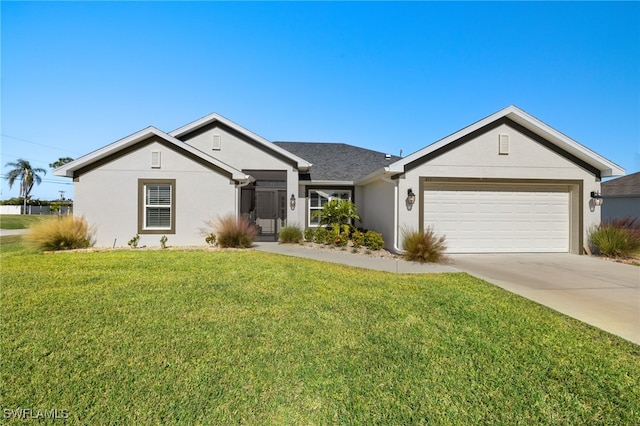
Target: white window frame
325	196
144	206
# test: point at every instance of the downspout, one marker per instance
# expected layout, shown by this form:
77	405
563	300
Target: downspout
396	231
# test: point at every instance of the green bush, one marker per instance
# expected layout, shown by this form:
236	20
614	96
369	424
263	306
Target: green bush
290	235
423	246
233	232
357	238
133	242
337	212
617	238
320	235
309	234
340	239
373	240
60	233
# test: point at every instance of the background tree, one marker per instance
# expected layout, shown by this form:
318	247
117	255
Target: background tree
60	162
27	175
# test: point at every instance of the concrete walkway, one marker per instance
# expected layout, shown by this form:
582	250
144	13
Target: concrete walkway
4	232
599	292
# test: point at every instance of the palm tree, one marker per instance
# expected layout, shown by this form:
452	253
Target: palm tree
28	176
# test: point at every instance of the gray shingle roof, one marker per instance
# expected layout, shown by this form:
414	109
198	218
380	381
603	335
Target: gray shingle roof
625	185
338	161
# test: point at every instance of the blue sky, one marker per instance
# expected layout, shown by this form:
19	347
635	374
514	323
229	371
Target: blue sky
385	76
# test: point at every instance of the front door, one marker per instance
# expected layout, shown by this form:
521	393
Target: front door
270	213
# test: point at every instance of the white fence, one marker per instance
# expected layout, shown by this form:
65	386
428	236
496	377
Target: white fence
37	210
10	209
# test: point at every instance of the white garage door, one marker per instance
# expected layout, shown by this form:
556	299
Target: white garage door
499	220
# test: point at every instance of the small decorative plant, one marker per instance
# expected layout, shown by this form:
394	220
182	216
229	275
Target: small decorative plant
163	241
290	235
373	240
133	242
309	234
210	239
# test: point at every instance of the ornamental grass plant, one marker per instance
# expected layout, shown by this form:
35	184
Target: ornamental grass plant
616	238
60	233
232	232
424	246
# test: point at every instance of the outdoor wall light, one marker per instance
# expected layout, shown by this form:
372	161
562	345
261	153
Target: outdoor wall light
597	198
411	198
292	202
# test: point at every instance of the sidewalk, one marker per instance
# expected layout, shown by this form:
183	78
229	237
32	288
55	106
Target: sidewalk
397	266
4	232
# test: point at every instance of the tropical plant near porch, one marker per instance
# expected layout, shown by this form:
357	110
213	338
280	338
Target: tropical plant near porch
337	213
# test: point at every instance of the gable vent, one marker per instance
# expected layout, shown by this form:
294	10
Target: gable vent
155	159
503	144
216	142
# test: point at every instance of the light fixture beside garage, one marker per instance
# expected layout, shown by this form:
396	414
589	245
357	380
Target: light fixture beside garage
597	198
292	202
411	199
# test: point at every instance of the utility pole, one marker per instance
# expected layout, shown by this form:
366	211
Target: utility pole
61	195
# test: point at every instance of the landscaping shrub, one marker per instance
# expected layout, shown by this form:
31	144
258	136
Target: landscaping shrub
210	239
423	246
320	235
357	238
133	242
60	233
617	238
373	240
290	235
340	239
309	234
337	212
233	232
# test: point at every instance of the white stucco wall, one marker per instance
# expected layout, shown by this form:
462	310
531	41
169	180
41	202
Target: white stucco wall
479	159
108	197
374	207
242	155
236	152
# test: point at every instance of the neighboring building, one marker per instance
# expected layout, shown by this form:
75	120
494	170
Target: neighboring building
507	183
621	197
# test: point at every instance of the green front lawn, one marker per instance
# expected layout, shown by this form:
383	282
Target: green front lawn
20	221
165	337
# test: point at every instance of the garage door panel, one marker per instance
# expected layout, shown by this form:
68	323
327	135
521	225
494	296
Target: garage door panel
513	219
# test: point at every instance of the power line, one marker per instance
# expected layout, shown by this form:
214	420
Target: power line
39	144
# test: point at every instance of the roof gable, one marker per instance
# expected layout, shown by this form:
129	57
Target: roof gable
125	145
524	123
196	127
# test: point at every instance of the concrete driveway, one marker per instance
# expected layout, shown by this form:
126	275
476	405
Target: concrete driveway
599	292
